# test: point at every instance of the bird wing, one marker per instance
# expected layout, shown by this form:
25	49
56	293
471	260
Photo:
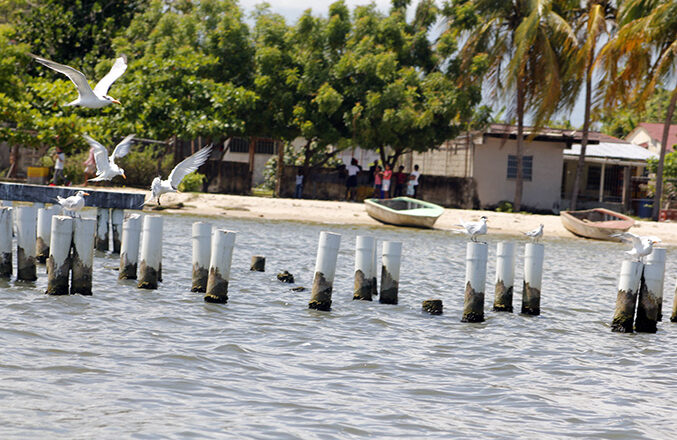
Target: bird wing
100	155
115	72
122	148
74	75
188	165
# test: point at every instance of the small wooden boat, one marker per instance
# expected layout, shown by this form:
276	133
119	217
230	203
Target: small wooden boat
598	223
404	211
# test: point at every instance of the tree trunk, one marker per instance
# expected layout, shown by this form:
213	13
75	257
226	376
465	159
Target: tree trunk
280	168
519	181
307	154
252	152
664	145
384	159
13	161
584	141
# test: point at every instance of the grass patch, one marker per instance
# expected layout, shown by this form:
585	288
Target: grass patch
262	192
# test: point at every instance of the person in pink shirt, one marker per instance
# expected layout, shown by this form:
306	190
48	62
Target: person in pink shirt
385	184
378	177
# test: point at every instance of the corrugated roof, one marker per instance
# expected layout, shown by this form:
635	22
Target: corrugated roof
549	134
612	150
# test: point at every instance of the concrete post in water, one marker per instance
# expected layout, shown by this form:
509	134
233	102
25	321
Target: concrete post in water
117	217
129	249
390	271
202	251
505	276
651	292
223	243
44	233
658	258
475	280
325	269
673	317
258	263
432	306
84	232
374	270
5	242
102	237
58	263
533	276
26	237
364	260
628	285
151	252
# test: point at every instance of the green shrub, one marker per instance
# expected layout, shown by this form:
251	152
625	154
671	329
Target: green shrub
192	182
141	166
504	207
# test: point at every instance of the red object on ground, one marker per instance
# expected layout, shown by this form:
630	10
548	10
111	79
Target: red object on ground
667	214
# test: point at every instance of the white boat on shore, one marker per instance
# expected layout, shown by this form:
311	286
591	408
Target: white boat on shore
404	211
598	223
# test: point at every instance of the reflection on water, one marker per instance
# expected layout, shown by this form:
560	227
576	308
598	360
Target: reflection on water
146	364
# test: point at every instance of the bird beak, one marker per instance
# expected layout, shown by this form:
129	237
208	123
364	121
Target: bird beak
86	194
115	101
123	176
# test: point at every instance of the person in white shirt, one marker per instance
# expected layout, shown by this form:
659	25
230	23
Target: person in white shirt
351	182
415	174
59	162
298	194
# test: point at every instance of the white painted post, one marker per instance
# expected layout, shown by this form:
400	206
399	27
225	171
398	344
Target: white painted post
325	269
475	280
364	260
117	217
26	237
223	243
84	232
44	233
505	276
628	285
151	252
533	277
374	270
102	221
5	242
390	271
651	292
202	244
129	250
58	262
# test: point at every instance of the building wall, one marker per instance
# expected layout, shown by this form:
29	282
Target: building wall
450	159
490	173
640	136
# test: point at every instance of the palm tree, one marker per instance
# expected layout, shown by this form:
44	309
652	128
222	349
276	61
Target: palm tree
641	56
526	43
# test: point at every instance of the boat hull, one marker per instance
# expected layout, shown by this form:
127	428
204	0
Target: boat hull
598	224
422	214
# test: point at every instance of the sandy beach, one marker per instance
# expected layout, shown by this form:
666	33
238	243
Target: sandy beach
336	212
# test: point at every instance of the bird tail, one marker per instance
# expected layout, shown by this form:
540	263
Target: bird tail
97	179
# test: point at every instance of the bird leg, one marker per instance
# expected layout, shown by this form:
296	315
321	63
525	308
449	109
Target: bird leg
158	200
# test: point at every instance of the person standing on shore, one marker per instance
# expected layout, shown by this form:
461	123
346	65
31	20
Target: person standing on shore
298	193
416	174
351	182
59	162
400	181
385	184
378	177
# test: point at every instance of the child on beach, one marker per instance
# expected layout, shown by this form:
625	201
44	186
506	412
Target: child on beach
378	177
385	184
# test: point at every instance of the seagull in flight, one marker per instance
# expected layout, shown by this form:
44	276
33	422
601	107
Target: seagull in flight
641	246
87	97
185	167
473	229
73	204
106	168
536	233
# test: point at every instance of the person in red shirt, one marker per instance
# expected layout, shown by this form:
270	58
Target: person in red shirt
400	181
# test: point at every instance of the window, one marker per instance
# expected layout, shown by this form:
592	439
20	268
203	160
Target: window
527	165
265	147
594	177
238	145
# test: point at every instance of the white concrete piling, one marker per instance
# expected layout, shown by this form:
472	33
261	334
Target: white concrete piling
505	276
673	316
5	242
390	271
102	226
151	252
117	217
475	281
374	270
129	249
364	260
58	261
84	232
533	277
44	233
223	243
26	237
202	251
325	269
628	286
651	292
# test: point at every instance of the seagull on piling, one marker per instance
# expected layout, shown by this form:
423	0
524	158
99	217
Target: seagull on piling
536	233
185	167
473	229
106	168
73	204
641	246
87	97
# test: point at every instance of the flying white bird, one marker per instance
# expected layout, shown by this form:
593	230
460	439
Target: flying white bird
473	229
87	97
106	168
641	246
536	233
73	203
185	167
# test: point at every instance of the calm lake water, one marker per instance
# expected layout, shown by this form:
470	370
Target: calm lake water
130	363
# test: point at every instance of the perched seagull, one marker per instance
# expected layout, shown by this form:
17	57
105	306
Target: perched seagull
536	233
106	168
473	229
87	97
73	203
641	246
185	167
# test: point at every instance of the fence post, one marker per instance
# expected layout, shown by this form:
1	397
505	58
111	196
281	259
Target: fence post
390	272
533	276
102	221
364	250
223	243
505	276
202	243
628	285
5	242
475	280
117	217
44	233
151	252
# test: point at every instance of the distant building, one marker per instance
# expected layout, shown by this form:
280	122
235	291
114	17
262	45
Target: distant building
649	135
237	150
